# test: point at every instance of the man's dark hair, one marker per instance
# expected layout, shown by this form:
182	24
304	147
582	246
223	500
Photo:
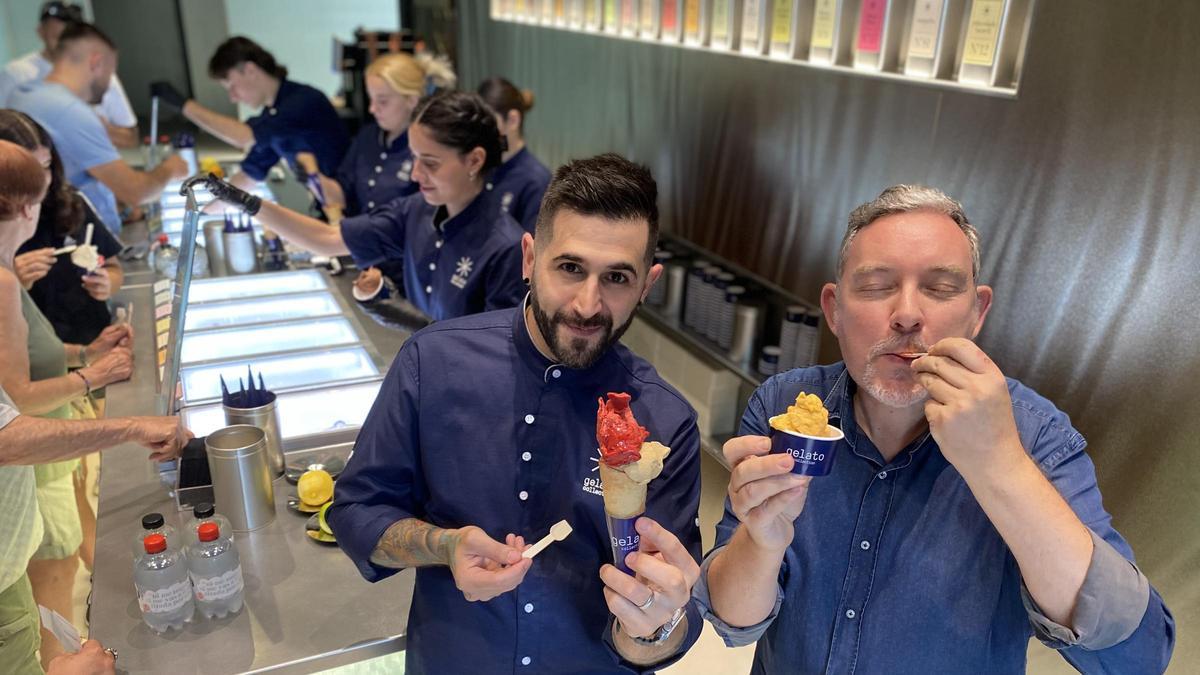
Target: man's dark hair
74	32
237	50
459	120
608	186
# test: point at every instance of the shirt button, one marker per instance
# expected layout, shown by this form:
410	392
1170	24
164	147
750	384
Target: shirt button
371	183
529	608
850	614
523	495
881	475
432	266
383	155
437	244
370	205
378	169
429	289
526	661
529	419
526	456
556	374
865	545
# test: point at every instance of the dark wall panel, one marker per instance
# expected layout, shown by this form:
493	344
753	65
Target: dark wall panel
1086	190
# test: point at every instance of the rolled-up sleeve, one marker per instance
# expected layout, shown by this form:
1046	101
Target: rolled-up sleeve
1109	608
734	636
8	410
383	481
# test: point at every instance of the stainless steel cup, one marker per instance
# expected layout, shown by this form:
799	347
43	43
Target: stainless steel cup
242	487
676	278
745	334
214	246
264	417
241	255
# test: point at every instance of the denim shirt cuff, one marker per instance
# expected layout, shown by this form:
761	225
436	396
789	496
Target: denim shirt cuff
1110	606
733	636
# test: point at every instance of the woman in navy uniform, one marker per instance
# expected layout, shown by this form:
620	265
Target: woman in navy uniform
461	254
297	122
378	166
521	179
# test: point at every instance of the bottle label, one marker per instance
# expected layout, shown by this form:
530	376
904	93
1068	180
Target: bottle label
219	587
167	599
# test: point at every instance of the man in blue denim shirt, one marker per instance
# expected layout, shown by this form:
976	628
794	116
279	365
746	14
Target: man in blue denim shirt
962	513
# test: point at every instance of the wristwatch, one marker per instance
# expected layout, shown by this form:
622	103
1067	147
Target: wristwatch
664	631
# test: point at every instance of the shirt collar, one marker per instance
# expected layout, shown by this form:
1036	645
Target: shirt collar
398	144
840	402
285	85
538	364
501	171
473	214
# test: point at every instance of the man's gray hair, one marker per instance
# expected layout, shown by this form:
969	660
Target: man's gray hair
905	199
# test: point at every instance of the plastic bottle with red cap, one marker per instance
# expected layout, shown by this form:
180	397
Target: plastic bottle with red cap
216	570
164	589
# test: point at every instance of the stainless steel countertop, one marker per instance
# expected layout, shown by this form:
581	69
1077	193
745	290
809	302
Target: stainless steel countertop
306	606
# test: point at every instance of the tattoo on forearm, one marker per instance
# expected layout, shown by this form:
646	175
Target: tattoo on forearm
414	543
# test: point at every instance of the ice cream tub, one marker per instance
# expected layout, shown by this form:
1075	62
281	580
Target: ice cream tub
813	454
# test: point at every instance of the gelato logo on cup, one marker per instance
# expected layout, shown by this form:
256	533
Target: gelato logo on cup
813	454
624	539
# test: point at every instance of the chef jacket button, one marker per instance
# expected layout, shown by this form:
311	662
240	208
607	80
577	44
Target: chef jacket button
429	289
529	419
523	495
526	456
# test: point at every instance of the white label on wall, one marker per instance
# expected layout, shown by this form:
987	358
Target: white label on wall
926	24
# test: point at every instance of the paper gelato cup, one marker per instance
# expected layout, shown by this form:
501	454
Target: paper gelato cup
813	454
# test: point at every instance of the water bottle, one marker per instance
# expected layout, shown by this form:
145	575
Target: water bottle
216	571
164	590
204	513
166	257
153	523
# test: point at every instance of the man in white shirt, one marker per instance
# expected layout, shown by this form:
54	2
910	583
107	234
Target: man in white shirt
113	109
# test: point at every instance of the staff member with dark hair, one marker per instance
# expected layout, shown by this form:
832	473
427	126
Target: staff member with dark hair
484	435
521	180
461	255
296	119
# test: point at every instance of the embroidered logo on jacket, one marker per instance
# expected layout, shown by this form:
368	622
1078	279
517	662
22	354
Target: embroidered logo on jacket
405	172
506	201
461	271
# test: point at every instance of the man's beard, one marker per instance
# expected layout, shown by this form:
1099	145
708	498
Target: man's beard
97	93
894	393
576	353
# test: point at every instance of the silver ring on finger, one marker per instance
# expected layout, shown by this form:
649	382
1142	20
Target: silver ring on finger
111	652
649	601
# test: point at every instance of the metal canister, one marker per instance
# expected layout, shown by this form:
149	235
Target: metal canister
658	292
789	337
214	246
768	363
745	333
676	278
241	254
264	417
728	316
242	487
692	299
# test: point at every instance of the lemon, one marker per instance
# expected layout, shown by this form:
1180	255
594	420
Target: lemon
324	524
315	487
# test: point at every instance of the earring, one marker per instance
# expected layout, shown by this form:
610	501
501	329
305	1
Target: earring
472	175
526	280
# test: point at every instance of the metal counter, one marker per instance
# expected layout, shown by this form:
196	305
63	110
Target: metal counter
306	607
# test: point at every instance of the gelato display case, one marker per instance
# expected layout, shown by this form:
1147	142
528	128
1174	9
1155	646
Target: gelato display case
302	414
226	343
261	310
286	372
234	288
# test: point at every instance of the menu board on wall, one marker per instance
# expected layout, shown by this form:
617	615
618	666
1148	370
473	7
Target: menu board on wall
671	28
826	14
575	14
871	16
593	13
648	23
723	31
753	18
546	15
612	16
782	23
926	28
875	35
695	22
629	17
983	32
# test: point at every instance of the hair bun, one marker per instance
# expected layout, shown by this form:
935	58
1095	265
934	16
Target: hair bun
527	99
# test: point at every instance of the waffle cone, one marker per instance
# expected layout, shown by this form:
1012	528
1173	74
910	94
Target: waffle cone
623	497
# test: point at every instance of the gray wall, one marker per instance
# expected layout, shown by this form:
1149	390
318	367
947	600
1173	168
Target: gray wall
1086	190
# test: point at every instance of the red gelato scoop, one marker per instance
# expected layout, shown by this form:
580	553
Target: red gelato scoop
619	435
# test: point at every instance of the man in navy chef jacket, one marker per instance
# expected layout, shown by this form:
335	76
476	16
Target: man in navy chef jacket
484	435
